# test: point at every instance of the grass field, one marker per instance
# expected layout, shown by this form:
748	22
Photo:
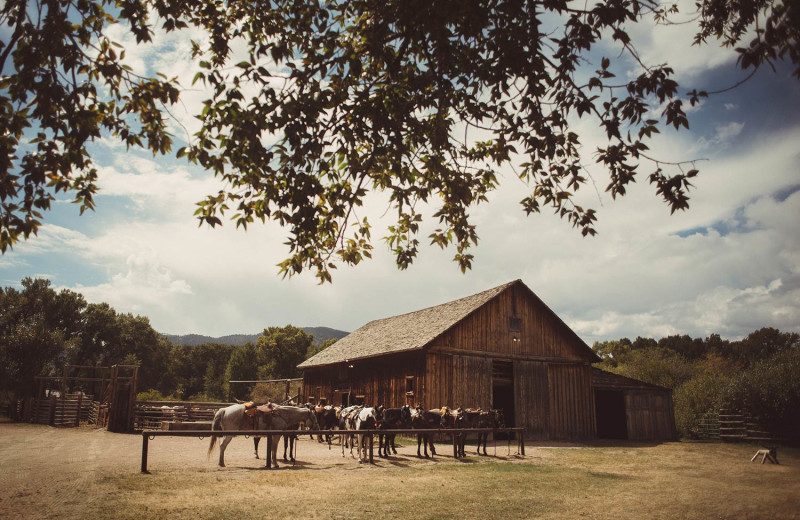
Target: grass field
87	474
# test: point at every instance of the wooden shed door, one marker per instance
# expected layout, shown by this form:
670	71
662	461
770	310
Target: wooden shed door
471	382
610	413
533	398
503	390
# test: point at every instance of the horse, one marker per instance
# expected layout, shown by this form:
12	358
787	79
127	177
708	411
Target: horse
288	418
366	419
234	418
393	418
477	419
427	420
327	420
347	418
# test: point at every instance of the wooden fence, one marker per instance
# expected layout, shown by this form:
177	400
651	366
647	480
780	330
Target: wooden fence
158	415
369	434
733	426
69	410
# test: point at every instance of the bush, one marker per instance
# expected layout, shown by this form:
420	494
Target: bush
769	392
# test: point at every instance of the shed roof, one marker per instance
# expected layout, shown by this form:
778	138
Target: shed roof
406	332
609	380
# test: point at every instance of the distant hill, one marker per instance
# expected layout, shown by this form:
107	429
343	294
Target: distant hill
320	334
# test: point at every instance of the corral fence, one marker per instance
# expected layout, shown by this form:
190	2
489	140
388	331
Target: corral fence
102	396
61	411
174	415
272	436
733	426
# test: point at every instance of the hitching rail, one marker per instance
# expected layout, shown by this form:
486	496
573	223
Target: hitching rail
148	434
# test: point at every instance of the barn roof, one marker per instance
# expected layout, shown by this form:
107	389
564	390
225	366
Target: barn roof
609	380
405	332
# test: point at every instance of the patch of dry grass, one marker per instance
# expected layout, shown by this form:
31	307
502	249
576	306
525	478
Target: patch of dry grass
624	481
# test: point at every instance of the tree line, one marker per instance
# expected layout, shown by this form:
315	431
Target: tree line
42	330
758	375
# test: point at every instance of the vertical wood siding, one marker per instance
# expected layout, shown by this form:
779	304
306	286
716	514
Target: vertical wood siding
541	333
380	380
571	402
650	415
471	383
532	406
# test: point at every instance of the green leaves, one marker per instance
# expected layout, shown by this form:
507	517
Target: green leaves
313	106
68	82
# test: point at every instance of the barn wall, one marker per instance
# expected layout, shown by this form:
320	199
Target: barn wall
471	382
571	402
532	406
380	380
487	330
650	415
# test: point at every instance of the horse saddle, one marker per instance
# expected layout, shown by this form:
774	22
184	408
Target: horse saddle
269	409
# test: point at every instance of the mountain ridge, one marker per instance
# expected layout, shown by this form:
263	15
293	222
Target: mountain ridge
320	334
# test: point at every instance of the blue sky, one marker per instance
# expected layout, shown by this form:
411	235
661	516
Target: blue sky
729	265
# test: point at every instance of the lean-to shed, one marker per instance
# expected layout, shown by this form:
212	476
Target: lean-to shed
501	348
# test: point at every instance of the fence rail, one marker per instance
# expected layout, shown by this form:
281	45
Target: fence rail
370	434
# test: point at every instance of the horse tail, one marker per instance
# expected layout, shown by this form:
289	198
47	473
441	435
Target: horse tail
216	425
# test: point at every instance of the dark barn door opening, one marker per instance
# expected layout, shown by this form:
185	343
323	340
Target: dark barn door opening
610	413
503	392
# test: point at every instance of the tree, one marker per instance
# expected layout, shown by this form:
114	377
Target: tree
37	327
763	344
282	349
658	366
315	349
423	100
242	366
769	392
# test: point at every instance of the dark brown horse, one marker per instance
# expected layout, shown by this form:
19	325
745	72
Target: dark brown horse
477	419
393	419
428	420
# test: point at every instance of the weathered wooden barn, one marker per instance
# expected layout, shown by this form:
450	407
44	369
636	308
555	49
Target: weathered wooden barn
501	348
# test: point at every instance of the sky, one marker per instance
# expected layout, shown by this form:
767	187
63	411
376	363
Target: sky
729	265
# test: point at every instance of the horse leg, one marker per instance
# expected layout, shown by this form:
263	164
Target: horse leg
286	439
419	441
275	439
433	450
394	447
255	445
293	447
222	446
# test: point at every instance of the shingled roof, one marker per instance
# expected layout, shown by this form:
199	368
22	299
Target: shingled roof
402	333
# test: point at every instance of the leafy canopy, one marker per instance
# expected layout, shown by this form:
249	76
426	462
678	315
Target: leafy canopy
323	103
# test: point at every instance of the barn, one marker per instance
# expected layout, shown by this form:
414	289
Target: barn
501	348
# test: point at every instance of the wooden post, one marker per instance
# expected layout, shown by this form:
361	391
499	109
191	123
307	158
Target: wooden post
51	419
455	446
145	440
78	415
269	452
371	439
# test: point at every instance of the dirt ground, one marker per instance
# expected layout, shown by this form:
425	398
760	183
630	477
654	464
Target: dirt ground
86	473
48	471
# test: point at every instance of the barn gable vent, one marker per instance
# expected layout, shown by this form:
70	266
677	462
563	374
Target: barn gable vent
514	324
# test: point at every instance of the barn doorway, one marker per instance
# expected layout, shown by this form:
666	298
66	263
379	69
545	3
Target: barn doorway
610	413
503	393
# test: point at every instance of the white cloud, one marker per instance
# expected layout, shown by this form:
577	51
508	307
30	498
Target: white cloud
642	276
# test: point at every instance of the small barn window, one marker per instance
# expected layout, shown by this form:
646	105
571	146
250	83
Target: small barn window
409	385
514	324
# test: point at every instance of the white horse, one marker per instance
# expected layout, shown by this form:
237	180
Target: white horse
347	417
366	419
232	418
